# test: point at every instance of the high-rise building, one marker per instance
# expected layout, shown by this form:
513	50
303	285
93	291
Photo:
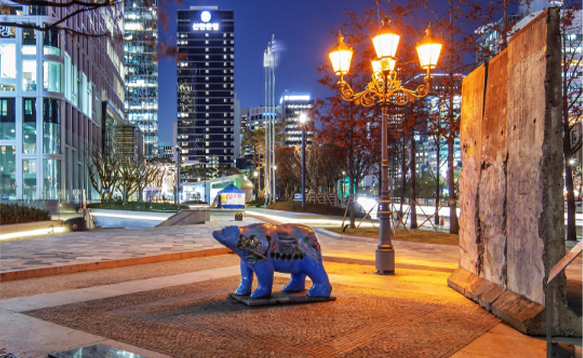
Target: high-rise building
52	89
291	105
256	118
206	85
141	70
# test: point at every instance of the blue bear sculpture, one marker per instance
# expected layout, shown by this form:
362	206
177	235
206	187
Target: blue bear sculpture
265	248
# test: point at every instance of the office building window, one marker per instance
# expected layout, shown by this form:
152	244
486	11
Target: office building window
29	125
51	43
51	76
7	119
7	172
51	126
8	67
29	75
28	42
52	178
29	179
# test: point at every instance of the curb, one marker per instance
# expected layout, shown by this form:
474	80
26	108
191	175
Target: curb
102	265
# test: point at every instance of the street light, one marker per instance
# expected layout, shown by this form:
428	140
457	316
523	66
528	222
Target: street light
385	89
303	121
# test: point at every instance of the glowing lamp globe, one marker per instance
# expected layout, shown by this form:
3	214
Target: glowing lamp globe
340	56
428	50
386	40
303	118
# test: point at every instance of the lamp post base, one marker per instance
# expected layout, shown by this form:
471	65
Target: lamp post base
385	260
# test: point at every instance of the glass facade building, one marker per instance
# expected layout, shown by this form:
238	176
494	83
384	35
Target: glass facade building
206	85
51	88
141	70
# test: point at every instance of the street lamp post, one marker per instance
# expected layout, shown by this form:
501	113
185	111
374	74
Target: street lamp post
177	197
303	121
384	89
255	174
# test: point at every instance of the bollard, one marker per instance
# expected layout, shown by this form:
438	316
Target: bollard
238	216
441	221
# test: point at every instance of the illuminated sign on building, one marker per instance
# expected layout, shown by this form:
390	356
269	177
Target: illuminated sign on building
296	98
205	17
205	27
7	31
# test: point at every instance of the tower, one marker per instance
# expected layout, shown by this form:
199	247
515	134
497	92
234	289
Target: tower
206	86
141	70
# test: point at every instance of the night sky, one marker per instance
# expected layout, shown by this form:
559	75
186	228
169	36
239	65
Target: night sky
302	26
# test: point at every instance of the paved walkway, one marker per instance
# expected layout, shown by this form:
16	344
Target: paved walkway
424	270
111	244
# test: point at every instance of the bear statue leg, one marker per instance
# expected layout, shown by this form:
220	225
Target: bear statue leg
246	280
264	273
321	286
296	284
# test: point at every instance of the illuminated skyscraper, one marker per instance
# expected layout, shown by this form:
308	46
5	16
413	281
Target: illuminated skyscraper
141	70
206	86
57	93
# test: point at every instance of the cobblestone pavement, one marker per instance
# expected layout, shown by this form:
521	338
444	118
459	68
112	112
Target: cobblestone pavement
198	320
110	244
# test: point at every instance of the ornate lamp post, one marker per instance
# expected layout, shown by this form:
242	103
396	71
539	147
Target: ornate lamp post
384	89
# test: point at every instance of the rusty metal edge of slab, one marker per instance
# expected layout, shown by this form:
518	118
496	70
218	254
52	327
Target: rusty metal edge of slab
94	351
280	298
103	265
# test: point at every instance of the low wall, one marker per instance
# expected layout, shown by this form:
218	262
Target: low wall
33	226
106	218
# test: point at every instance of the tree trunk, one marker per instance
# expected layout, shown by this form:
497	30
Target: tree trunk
571	224
352	206
403	180
412	201
453	221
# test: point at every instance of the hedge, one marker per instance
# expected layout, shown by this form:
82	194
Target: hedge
18	214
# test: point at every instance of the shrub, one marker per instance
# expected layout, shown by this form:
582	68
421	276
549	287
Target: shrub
310	208
255	203
17	214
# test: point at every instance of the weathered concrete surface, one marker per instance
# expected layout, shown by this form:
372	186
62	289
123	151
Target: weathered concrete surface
492	180
470	141
512	225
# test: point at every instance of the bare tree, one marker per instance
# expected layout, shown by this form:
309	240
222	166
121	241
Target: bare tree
103	172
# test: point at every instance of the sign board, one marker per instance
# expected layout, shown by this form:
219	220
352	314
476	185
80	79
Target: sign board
233	200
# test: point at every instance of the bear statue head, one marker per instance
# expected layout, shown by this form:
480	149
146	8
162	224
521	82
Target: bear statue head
229	236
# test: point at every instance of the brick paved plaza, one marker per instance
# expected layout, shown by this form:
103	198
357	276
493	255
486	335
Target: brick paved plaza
180	308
